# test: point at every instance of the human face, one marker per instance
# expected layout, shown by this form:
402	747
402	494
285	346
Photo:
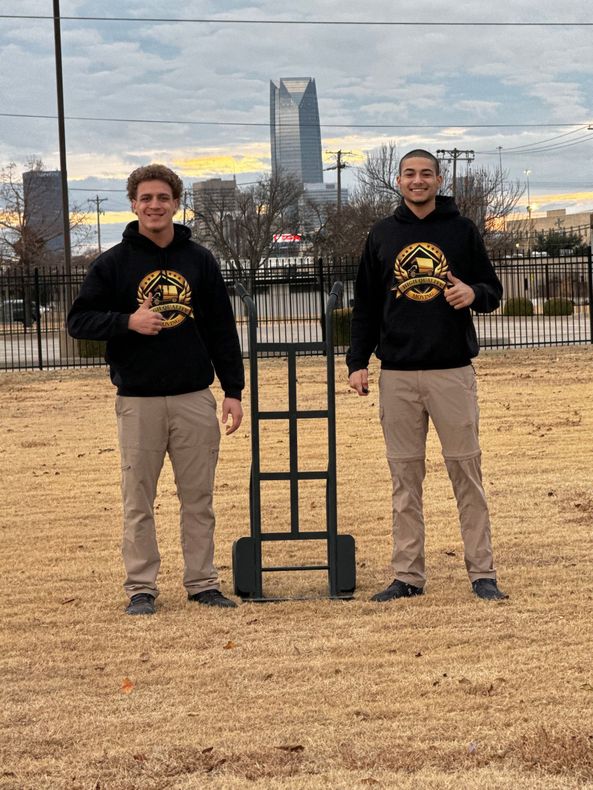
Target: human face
419	183
155	208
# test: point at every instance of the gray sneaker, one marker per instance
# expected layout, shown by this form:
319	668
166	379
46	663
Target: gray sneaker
487	590
141	603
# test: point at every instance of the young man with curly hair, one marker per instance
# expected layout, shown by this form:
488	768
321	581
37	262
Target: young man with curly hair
160	302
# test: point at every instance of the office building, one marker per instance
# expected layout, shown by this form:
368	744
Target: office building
215	194
215	207
42	191
315	201
294	129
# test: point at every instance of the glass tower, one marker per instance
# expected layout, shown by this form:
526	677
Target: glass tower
294	129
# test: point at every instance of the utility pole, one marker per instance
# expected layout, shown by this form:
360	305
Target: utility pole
504	219
186	194
527	173
339	166
454	155
97	202
62	144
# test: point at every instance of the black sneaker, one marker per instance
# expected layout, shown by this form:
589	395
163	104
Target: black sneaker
142	603
397	589
212	598
487	589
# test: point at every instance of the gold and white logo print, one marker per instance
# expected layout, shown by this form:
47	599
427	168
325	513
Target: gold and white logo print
171	296
420	272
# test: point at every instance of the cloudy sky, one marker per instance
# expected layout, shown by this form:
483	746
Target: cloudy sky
195	94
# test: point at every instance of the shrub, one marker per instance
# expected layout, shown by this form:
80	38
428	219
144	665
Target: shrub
558	306
342	317
89	349
518	305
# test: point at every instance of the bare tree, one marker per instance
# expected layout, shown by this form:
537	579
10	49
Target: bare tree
488	198
343	233
379	172
240	227
26	239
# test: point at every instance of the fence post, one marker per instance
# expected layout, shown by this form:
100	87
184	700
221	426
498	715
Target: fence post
38	314
590	289
321	300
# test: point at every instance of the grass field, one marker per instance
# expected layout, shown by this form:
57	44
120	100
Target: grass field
442	691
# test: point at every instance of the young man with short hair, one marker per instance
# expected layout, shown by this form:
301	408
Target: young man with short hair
160	302
421	271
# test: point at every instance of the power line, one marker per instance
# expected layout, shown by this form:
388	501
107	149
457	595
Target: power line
325	125
544	149
539	142
96	189
309	22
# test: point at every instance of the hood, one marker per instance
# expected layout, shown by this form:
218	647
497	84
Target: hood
181	234
445	209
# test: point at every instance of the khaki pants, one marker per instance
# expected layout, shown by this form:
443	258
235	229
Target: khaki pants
185	427
449	398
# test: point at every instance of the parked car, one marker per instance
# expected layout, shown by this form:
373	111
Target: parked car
13	310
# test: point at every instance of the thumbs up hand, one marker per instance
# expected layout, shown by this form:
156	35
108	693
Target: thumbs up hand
144	321
458	294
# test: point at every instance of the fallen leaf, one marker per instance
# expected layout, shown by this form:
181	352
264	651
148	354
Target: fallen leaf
450	554
465	681
418	654
472	747
292	748
208	749
230	645
216	765
127	686
194	713
587	687
141	758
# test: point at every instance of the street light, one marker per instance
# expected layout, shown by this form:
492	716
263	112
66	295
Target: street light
527	173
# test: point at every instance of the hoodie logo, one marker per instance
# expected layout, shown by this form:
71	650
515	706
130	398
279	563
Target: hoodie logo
171	296
420	272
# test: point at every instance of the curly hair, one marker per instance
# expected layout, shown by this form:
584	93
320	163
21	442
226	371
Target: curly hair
154	173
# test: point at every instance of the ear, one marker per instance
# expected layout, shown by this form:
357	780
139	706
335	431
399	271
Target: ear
176	204
133	206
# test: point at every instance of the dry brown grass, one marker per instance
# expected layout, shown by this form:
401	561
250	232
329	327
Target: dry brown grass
439	692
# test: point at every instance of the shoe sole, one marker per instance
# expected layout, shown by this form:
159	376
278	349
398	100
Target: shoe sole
144	611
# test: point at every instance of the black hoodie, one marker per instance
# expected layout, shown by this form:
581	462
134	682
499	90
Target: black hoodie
199	333
399	307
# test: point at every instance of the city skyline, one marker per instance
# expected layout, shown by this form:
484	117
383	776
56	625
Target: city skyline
194	92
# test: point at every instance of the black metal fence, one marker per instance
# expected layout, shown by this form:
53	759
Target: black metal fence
547	302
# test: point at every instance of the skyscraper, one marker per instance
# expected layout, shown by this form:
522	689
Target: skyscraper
294	129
